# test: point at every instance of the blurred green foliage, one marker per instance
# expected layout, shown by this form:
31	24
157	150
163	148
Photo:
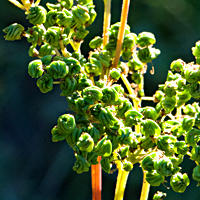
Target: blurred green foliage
32	167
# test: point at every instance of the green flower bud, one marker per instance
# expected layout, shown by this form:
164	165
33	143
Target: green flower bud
66	123
79	57
67	3
127	54
46	60
188	123
166	143
111	48
82	121
53	36
115	73
85	2
45	50
145	39
94	67
106	117
92	14
154	179
81	165
33	52
123	107
96	42
13	32
100	83
51	6
110	95
73	64
179	182
115	28
148	162
96	109
137	77
196	49
94	133
183	97
80	14
56	135
51	18
37	15
72	137
85	142
68	86
118	88
105	58
196	174
192	73
146	143
181	147
123	152
92	94
164	166
177	65
148	54
81	106
192	136
79	34
168	103
92	158
35	68
45	83
196	153
129	41
65	18
127	166
132	117
159	195
176	161
105	164
189	110
149	113
57	69
135	63
194	90
125	135
103	147
170	88
150	128
83	82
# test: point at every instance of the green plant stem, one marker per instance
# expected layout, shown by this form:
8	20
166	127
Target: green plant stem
145	188
130	90
178	113
106	26
63	49
121	184
124	15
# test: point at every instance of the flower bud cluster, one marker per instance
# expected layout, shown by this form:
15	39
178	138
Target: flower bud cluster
105	123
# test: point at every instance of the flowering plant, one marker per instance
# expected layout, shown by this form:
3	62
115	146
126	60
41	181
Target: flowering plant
109	126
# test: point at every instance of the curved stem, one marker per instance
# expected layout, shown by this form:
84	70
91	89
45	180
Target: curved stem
124	15
145	188
121	184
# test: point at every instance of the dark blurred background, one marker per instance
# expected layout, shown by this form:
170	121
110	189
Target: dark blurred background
31	165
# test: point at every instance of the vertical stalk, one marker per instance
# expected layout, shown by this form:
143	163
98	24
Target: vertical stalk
124	15
122	175
145	188
106	25
96	181
121	184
